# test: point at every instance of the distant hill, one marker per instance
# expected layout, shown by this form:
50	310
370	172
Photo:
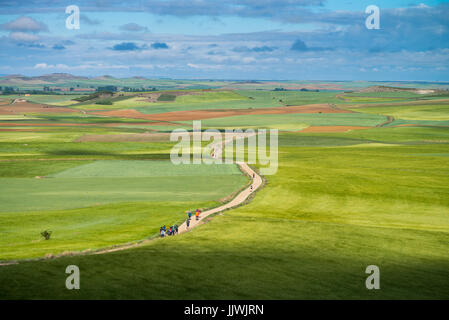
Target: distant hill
395	89
55	77
16	79
105	77
247	82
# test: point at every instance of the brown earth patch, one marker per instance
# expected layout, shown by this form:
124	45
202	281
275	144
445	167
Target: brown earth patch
160	123
154	96
135	137
21	124
19	130
333	128
220	113
21	107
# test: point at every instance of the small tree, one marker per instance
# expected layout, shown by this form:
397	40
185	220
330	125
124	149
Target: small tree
46	234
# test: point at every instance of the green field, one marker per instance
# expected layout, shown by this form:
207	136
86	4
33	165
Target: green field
215	100
30	204
299	120
51	99
338	203
411	112
351	207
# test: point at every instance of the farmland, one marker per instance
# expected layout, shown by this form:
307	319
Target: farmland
362	179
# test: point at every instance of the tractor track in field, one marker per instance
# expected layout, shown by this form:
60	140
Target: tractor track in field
390	119
239	199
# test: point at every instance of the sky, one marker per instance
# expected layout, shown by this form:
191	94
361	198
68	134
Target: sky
228	39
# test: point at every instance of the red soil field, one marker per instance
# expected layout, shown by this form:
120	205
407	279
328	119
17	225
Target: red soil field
136	137
220	113
21	124
26	107
19	130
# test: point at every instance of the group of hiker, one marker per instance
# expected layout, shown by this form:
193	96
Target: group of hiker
197	216
169	232
174	229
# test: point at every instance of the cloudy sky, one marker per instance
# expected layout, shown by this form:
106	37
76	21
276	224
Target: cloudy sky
228	39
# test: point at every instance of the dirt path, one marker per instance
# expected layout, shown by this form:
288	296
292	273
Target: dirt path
390	119
239	199
217	150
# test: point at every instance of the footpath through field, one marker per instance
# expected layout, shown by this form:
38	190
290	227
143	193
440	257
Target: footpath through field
256	182
217	150
239	199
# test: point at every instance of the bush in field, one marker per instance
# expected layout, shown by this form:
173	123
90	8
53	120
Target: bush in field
46	234
166	97
87	97
104	102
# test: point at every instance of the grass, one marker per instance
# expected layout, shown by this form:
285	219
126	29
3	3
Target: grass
55	145
118	181
30	169
394	135
119	195
87	228
166	97
310	233
126	103
6	117
338	203
51	99
130	168
301	120
210	101
411	112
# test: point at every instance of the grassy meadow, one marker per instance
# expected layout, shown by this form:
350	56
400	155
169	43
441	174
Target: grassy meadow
340	201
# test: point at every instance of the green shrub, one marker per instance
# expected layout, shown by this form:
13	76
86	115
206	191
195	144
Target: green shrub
166	97
104	102
46	234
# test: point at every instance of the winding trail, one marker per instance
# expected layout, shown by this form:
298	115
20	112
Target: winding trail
217	150
389	120
239	199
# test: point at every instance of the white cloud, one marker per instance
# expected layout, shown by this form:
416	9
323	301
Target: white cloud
23	36
204	66
40	66
43	65
24	24
422	6
61	66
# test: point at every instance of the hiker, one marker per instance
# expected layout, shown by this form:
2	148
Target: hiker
162	233
197	214
190	214
253	175
176	228
188	223
251	188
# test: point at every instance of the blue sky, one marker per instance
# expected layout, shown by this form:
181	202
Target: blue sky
234	39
